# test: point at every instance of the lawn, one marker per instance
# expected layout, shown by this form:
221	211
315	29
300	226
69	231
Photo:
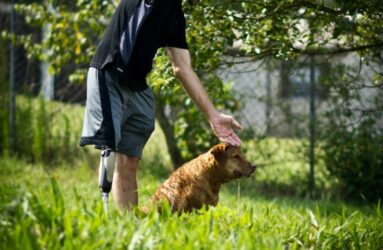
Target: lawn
45	206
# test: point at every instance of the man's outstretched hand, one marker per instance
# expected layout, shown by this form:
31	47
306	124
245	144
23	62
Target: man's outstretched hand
222	126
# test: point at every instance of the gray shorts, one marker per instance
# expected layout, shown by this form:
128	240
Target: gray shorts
115	116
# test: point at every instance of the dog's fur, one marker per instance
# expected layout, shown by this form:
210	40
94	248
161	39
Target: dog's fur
197	183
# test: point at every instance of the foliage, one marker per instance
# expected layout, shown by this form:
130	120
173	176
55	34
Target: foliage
358	162
288	28
4	101
352	138
43	207
71	31
43	135
281	29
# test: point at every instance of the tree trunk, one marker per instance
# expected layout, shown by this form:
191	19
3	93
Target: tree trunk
168	129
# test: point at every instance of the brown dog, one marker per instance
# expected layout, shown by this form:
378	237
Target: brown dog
197	183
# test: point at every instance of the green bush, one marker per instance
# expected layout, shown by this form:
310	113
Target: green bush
25	124
4	125
41	132
355	156
45	131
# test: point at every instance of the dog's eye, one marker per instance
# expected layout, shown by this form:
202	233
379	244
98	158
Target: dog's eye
237	157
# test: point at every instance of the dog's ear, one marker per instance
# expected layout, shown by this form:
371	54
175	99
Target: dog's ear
220	152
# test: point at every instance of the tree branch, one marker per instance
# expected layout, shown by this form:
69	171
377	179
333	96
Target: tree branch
337	51
321	8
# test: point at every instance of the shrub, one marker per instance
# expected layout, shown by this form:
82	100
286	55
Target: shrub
41	132
45	131
354	155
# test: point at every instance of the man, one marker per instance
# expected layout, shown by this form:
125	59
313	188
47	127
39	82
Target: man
119	113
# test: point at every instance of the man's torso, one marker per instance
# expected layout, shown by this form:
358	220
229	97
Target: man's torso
139	44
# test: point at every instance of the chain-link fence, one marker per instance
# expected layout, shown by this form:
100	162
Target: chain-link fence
29	75
279	101
29	127
291	103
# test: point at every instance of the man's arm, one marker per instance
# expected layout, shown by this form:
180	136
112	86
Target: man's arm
221	124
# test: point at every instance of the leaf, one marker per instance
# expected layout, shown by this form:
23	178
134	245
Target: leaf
313	220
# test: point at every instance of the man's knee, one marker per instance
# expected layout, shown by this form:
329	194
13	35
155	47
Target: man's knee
126	163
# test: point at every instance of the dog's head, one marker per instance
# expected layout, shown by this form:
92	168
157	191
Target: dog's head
232	162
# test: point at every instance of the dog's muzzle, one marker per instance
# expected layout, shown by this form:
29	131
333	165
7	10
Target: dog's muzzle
247	174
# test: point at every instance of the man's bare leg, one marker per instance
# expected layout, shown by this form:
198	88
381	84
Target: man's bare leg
125	182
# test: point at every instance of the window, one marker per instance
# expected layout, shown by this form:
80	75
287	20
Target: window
296	78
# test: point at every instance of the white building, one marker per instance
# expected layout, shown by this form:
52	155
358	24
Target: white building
276	95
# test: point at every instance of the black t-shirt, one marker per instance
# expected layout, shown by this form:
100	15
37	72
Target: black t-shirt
164	26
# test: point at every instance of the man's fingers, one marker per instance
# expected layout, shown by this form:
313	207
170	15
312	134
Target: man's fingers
232	140
236	124
236	140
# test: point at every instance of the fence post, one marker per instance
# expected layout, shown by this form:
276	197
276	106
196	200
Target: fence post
268	95
12	99
47	87
312	126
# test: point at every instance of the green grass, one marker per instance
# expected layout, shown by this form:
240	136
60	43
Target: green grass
58	206
61	208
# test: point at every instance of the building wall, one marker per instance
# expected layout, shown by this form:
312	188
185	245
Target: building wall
267	112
